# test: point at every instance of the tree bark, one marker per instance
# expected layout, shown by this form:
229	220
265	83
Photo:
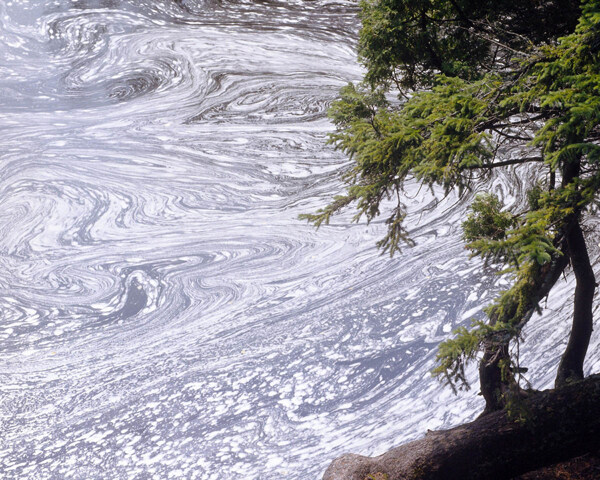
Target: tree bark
494	388
571	364
561	424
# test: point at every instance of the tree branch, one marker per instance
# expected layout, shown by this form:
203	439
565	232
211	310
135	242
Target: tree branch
514	161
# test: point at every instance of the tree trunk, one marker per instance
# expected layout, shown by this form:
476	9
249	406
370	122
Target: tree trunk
494	387
571	364
561	424
571	243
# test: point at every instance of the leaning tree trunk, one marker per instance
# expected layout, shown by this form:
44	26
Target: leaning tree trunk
494	385
561	424
571	364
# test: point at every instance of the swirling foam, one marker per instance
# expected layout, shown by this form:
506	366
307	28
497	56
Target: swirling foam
165	315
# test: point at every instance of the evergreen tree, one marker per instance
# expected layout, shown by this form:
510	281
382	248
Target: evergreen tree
473	77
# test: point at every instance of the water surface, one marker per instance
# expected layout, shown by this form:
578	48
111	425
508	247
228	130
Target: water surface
164	313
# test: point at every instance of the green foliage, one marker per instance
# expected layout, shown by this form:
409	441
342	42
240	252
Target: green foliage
472	77
534	196
408	43
487	221
433	138
453	355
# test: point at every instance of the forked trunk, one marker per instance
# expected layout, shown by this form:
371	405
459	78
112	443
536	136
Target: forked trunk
494	385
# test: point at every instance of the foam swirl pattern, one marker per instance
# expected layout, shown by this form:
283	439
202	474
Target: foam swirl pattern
164	313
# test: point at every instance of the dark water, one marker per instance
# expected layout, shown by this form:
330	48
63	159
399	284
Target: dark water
164	313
